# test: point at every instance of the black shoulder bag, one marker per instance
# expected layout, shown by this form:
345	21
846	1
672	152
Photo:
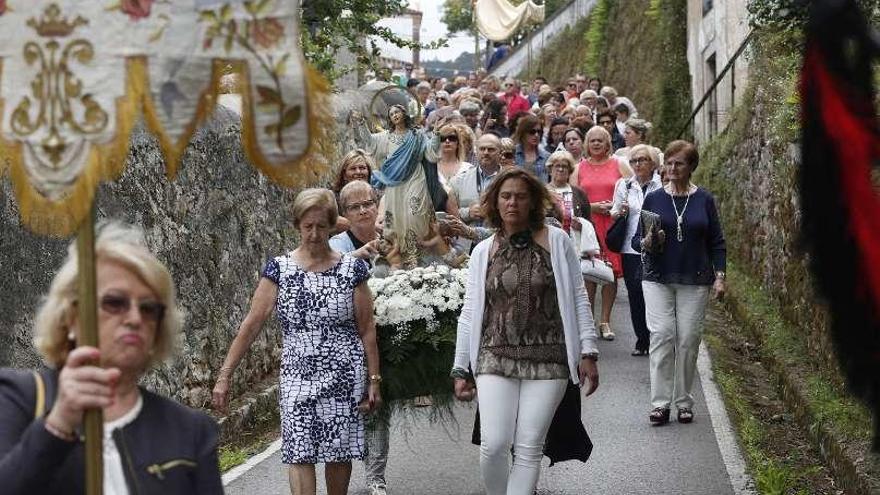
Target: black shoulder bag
616	235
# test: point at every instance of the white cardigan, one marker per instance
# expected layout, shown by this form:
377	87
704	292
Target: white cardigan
574	307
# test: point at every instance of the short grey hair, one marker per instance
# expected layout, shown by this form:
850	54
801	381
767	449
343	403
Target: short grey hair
353	187
468	107
639	125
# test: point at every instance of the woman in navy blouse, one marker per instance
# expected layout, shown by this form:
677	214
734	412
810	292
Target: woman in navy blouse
682	260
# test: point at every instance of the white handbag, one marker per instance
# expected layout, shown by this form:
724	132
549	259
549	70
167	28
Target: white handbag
597	270
593	268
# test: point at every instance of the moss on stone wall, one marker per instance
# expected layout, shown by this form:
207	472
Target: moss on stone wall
751	167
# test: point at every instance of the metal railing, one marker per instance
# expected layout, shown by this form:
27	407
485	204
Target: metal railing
711	91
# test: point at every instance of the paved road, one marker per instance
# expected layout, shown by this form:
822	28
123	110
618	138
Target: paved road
630	457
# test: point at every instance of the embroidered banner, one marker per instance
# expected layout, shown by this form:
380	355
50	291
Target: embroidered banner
75	77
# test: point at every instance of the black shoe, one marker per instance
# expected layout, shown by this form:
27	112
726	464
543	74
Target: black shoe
659	416
685	415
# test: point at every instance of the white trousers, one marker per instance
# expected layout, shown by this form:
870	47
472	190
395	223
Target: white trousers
674	313
518	413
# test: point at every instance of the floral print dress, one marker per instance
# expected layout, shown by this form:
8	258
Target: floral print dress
323	375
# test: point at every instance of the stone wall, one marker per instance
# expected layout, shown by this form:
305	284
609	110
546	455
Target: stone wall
752	170
214	226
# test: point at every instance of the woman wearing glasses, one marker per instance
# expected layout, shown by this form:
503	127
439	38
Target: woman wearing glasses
628	197
456	143
326	314
529	154
508	153
41	413
358	204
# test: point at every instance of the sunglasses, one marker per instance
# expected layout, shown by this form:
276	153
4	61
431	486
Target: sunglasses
507	154
571	85
117	304
452	138
536	131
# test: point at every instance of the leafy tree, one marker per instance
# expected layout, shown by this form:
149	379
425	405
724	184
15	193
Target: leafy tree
329	25
458	16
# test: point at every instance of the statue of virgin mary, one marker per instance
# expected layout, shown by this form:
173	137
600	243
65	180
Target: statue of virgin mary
412	189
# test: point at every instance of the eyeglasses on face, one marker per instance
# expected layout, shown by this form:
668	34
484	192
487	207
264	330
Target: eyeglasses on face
676	163
363	205
452	138
641	160
117	304
605	122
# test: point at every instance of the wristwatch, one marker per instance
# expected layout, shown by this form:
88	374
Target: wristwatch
375	378
721	275
592	356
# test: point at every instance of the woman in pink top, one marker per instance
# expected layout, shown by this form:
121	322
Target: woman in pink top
597	174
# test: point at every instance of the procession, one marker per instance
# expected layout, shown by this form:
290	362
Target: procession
506	279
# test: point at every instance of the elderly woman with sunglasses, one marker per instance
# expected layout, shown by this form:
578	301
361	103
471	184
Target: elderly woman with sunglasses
629	194
529	154
150	442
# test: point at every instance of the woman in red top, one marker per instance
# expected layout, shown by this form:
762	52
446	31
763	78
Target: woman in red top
596	174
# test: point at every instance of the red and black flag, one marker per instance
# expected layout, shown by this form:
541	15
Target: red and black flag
839	200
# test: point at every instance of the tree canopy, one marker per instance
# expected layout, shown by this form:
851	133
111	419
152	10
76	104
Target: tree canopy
329	25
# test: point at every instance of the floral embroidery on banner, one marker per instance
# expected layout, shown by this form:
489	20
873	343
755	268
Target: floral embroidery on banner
136	9
254	35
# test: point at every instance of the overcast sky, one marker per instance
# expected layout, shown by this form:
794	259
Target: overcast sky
432	29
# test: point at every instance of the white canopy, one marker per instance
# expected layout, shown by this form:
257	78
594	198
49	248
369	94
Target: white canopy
499	19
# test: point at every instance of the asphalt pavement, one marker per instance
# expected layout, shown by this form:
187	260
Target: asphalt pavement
630	457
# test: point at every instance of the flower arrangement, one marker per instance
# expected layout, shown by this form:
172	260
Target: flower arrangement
407	296
416	314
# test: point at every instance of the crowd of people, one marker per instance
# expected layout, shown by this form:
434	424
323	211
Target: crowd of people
503	176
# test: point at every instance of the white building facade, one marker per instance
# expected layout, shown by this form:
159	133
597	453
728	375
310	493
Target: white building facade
716	31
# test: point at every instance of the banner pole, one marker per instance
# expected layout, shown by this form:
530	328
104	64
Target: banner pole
93	422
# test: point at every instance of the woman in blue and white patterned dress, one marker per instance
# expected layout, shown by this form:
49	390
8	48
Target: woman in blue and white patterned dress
326	314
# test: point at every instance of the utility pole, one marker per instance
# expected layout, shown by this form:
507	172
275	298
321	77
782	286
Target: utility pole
477	63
